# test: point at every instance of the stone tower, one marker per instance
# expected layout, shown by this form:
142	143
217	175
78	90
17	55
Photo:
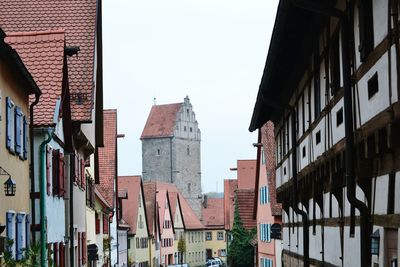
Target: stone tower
171	150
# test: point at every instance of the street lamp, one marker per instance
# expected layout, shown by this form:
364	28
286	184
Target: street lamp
9	185
375	239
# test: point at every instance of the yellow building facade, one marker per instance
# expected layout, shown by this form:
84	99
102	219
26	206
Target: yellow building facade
215	243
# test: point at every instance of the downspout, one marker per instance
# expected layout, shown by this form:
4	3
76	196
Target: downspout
43	221
302	213
32	165
365	227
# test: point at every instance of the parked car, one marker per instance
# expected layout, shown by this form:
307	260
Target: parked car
220	262
213	263
179	265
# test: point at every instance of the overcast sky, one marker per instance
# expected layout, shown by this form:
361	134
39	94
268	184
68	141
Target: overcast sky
214	51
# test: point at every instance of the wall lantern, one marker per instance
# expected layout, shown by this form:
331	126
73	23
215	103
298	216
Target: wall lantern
66	240
9	185
375	240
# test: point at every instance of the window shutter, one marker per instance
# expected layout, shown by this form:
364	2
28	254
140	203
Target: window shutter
18	131
19	240
97	219
48	165
27	230
79	248
83	176
366	28
9	125
267	193
55	171
61	178
105	224
25	139
49	252
10	230
62	255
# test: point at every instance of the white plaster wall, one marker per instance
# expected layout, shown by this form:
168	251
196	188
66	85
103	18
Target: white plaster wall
279	176
114	244
381	199
304	161
323	84
316	243
394	74
380	101
123	248
380	13
332	245
351	248
320	148
337	131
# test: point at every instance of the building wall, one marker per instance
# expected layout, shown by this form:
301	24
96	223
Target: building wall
195	247
122	247
217	246
17	168
156	159
167	253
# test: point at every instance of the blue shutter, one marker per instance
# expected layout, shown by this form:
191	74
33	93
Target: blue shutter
25	139
10	230
269	232
267	193
19	240
27	230
18	130
9	124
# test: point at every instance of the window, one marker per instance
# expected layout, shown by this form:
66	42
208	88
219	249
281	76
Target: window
188	150
265	262
55	172
105	224
184	128
158	152
264	195
220	236
141	224
265	232
262	156
189	187
318	137
16	130
284	170
373	86
304	152
208	235
97	219
221	253
366	28
303	116
339	117
334	61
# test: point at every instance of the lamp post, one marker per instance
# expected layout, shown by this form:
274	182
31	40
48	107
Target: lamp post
9	185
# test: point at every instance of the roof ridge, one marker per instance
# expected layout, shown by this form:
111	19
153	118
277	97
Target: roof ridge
34	33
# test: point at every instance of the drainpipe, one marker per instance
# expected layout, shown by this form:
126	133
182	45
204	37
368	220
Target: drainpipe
32	165
365	223
43	221
302	213
71	216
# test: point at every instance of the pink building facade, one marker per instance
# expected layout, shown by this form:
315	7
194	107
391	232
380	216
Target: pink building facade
268	211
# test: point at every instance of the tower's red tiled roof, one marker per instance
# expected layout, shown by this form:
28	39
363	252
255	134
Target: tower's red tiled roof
161	121
43	55
212	214
230	186
245	202
130	206
78	19
108	157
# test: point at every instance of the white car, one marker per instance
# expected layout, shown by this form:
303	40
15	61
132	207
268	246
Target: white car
213	263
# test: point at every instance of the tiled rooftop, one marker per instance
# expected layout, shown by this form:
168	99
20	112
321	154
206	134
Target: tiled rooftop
245	200
78	19
213	215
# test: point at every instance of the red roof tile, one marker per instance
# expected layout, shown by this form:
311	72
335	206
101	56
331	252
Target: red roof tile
43	55
191	221
149	189
102	200
213	215
230	186
130	206
108	157
78	19
161	121
245	201
246	174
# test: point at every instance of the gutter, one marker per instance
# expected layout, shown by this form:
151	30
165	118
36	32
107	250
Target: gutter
32	164
365	222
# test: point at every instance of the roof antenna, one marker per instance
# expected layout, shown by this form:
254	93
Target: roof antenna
154	101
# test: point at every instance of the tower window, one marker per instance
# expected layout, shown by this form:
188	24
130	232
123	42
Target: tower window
304	151
189	187
158	152
184	128
318	137
191	129
187	112
188	150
